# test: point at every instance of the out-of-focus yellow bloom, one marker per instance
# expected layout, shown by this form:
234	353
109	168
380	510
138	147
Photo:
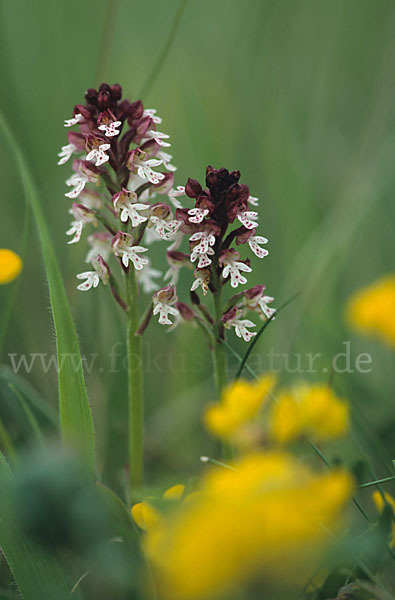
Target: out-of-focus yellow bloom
312	410
379	502
240	404
10	265
371	310
147	516
268	516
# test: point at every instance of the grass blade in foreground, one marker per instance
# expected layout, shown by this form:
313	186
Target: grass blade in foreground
37	574
75	412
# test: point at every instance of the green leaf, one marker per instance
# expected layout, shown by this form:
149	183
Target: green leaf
75	412
36	573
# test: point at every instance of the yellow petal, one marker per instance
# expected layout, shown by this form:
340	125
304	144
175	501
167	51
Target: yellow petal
175	492
10	265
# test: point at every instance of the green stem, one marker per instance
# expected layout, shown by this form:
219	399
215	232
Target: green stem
135	386
219	353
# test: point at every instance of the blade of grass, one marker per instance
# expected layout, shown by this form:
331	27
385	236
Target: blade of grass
24	387
258	335
36	573
149	82
75	411
35	427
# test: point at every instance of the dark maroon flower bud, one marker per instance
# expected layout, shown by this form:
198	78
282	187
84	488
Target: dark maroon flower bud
136	110
205	202
82	110
186	313
91	96
230	315
234	176
103	100
243	234
116	92
122	110
193	188
254	292
151	147
142	127
104	87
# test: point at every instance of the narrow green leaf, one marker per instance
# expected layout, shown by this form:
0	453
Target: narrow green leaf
36	573
35	427
75	412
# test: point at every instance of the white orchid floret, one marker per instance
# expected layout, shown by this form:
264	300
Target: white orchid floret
163	304
151	113
232	319
146	278
77	181
76	119
66	153
100	243
255	299
202	280
174	194
203	249
140	165
158	136
110	129
162	220
82	216
166	159
230	260
204	260
197	215
254	241
254	201
123	247
246	218
126	203
98	154
92	278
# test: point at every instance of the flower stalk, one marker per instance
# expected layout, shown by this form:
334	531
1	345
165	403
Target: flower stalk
135	386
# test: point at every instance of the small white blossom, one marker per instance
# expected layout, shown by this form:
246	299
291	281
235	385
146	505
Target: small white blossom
145	171
267	310
206	239
163	301
204	260
158	136
126	203
151	112
164	228
111	129
93	278
82	217
76	119
254	201
77	181
123	246
197	214
166	159
202	280
231	319
254	241
65	153
232	267
99	155
246	217
174	194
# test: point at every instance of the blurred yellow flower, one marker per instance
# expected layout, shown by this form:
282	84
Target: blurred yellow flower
312	410
371	310
240	403
10	265
147	516
379	502
269	517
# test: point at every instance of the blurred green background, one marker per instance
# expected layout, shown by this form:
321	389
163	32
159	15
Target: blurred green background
298	95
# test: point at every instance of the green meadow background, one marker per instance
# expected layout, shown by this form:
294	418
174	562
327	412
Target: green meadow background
298	95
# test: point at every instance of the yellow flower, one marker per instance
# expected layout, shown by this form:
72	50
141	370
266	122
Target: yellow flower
312	410
379	502
371	310
240	404
268	516
147	516
10	265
